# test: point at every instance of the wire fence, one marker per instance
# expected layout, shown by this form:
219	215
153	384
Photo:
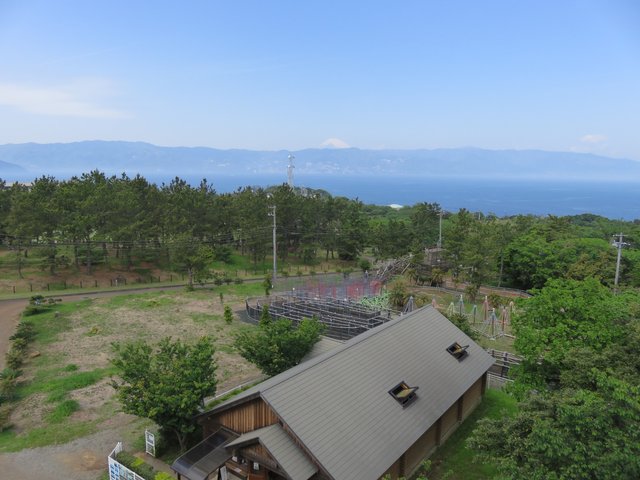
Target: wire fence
343	318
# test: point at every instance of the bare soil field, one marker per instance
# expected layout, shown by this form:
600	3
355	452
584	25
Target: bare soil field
84	344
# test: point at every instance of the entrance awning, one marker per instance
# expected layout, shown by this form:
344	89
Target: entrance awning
207	456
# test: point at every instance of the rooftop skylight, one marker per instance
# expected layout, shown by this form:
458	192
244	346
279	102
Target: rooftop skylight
403	393
457	350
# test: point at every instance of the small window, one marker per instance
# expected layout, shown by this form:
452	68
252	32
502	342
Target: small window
458	351
403	393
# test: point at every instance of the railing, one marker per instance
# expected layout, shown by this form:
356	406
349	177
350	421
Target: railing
343	319
504	361
117	471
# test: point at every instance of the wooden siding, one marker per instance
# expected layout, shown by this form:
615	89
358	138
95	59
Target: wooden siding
247	417
257	453
394	470
472	398
449	421
420	450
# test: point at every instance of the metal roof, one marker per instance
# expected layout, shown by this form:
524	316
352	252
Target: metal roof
338	405
282	448
324	345
205	457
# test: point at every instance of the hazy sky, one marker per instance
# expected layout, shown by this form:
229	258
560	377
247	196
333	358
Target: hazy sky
553	75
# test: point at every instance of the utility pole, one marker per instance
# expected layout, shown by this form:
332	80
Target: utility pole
275	251
619	244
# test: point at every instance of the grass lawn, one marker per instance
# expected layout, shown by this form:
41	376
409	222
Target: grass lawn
454	460
65	390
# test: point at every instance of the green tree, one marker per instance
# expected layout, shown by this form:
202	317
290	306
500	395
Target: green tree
569	434
276	345
579	381
267	285
168	384
228	315
565	316
191	257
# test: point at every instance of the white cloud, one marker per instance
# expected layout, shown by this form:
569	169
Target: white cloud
334	143
77	99
594	138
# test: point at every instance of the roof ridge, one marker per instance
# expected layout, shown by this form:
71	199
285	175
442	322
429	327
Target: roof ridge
341	348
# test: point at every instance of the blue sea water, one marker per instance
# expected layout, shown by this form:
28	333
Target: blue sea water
615	200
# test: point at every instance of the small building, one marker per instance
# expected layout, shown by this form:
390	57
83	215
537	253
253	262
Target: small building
377	404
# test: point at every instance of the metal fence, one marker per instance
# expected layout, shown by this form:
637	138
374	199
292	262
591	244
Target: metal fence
343	319
117	471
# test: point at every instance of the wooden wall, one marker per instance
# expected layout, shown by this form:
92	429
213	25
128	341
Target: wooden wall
420	450
449	421
244	418
472	398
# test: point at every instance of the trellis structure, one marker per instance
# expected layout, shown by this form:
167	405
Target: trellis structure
343	319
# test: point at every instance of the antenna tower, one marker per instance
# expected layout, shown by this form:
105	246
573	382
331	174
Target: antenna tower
290	168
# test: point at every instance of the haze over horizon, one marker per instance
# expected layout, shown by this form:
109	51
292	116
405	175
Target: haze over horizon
554	76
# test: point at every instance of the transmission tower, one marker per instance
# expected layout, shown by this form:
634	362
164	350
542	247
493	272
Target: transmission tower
290	168
619	243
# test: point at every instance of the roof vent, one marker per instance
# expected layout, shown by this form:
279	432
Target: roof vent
458	350
404	394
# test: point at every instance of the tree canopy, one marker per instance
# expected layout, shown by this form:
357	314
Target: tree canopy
167	384
579	384
276	345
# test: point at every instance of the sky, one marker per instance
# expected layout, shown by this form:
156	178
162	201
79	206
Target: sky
270	75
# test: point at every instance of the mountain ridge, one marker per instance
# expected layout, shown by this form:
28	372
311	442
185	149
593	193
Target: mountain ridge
115	157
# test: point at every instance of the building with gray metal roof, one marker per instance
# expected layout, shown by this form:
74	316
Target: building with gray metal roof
378	404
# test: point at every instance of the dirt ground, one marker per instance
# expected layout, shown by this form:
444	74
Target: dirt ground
85	458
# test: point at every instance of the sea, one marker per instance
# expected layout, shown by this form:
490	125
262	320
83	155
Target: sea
619	200
502	197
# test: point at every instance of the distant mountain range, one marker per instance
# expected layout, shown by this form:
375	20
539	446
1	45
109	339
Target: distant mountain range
30	160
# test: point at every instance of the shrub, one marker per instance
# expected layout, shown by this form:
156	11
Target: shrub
163	476
364	264
7	389
24	330
35	310
19	344
14	358
137	465
238	281
228	315
5	412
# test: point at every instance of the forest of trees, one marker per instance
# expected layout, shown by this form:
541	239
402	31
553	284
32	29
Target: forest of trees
93	219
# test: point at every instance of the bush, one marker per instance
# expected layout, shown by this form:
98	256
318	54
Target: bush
5	412
163	476
24	330
238	281
35	310
19	344
14	358
136	464
228	315
7	389
364	264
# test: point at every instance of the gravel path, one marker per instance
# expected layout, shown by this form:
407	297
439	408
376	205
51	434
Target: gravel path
81	459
